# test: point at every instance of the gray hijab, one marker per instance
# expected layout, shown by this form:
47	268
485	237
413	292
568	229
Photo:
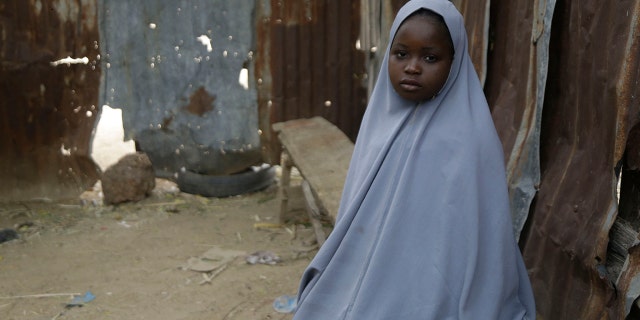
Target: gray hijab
424	229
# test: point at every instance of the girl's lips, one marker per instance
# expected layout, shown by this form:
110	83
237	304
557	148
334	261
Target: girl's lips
410	84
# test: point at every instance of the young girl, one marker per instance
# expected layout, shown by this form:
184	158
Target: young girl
424	229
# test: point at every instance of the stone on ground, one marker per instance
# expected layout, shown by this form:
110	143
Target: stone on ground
130	179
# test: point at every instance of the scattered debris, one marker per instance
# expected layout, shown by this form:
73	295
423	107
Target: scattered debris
208	277
92	196
24	226
124	224
80	300
211	260
263	257
8	235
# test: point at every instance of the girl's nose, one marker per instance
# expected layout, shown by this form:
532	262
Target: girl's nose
412	67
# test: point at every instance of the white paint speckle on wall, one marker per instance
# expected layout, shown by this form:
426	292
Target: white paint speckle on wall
108	144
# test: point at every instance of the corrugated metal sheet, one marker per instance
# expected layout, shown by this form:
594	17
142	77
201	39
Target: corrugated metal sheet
476	18
589	104
47	112
591	100
308	63
174	69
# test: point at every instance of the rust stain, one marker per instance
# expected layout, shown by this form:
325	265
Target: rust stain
200	102
166	122
626	79
476	20
629	278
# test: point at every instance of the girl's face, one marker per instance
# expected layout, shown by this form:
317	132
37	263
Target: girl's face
420	58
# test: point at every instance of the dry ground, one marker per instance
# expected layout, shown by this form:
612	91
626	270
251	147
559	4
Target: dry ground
133	257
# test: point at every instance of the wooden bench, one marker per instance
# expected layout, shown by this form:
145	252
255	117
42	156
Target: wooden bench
321	152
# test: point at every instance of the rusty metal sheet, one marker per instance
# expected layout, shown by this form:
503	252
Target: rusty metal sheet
590	95
627	148
308	64
47	109
476	21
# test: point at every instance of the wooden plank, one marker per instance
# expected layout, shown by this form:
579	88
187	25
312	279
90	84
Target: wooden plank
322	153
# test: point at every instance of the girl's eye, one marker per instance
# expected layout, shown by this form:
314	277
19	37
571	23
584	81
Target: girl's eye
430	58
401	54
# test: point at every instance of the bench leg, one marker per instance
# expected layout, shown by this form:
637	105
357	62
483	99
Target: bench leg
314	212
285	180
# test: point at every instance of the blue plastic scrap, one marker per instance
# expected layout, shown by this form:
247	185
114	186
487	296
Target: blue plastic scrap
79	301
285	304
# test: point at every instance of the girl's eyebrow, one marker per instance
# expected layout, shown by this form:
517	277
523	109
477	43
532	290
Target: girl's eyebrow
398	44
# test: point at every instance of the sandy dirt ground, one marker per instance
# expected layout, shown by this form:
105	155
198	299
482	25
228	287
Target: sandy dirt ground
139	260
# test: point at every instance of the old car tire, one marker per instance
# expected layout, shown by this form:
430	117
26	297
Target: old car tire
250	180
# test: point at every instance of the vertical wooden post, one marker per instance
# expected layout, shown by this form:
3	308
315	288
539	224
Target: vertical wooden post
285	180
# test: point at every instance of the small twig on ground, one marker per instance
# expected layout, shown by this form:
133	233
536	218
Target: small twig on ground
208	278
178	201
267	225
69	206
291	231
44	295
233	310
60	314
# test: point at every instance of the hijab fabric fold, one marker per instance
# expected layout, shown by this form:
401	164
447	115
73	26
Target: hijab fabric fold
424	228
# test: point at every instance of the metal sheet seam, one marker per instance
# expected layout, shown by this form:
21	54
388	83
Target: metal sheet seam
624	101
485	42
632	45
525	155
